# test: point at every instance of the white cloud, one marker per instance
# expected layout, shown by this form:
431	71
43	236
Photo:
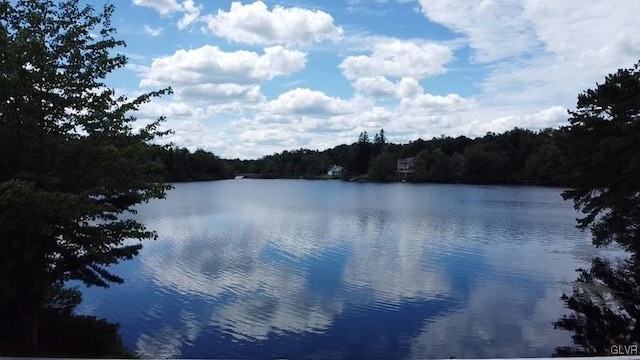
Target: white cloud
348	127
495	122
171	109
581	30
495	28
210	65
222	82
191	14
306	101
191	11
499	29
428	103
151	31
399	58
255	24
307	118
164	7
542	51
379	86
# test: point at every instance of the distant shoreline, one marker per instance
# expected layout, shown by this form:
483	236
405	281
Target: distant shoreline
364	180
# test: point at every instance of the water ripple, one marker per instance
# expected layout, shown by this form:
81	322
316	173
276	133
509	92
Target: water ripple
255	267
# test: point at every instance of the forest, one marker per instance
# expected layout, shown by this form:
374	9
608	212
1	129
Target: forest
518	156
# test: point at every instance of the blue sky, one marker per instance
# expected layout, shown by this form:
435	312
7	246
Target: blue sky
253	78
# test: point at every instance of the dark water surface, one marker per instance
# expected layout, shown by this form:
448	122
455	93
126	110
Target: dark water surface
332	269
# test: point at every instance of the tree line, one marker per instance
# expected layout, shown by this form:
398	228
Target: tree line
518	156
182	165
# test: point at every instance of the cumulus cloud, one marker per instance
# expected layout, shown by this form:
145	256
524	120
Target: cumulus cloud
173	109
379	86
164	7
212	71
491	120
306	101
407	62
307	118
151	31
428	103
191	14
224	81
398	58
255	24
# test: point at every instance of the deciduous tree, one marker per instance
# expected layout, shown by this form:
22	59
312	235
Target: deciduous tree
71	164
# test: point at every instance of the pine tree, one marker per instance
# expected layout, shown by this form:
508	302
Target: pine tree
603	143
363	138
603	147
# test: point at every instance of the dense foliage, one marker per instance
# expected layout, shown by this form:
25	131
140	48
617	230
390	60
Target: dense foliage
518	156
603	147
182	165
71	166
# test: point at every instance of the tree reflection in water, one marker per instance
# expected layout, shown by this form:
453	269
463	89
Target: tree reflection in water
606	307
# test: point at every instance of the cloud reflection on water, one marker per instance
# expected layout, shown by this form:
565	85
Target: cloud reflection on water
266	268
260	263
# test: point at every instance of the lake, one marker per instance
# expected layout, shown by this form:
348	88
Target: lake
333	269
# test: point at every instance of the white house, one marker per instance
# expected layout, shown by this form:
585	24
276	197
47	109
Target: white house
335	170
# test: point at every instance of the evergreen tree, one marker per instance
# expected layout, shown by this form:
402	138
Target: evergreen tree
603	145
361	156
378	142
71	164
363	138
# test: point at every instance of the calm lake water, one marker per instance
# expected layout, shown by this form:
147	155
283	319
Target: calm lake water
332	269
